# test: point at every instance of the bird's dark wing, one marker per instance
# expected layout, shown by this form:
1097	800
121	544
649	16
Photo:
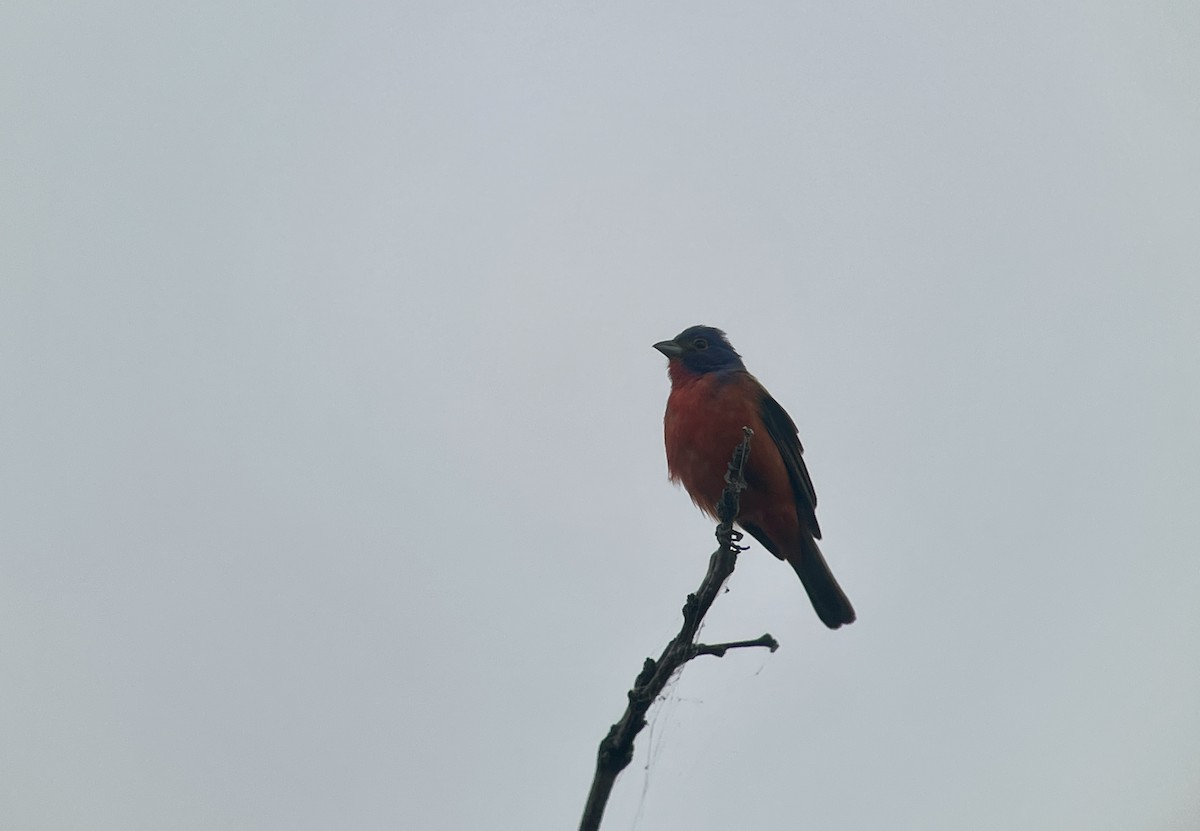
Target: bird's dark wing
785	435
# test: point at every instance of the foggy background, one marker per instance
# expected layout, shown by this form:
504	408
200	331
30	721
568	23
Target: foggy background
332	491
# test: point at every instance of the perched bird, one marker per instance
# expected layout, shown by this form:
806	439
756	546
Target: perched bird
712	398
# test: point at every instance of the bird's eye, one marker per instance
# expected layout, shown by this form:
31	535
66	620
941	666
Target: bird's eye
700	343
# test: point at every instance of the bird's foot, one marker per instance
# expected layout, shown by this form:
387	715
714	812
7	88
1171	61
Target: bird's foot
729	536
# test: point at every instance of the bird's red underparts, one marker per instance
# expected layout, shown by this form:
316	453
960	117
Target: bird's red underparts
703	425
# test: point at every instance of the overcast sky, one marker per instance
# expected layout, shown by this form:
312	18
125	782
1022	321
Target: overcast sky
332	491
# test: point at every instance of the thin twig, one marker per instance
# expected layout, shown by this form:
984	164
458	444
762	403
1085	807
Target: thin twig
719	649
616	750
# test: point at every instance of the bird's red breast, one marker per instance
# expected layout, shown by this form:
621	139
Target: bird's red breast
703	425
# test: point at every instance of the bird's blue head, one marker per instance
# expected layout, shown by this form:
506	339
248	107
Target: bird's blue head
702	349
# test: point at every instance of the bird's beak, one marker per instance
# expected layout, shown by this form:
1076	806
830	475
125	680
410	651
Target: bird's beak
669	348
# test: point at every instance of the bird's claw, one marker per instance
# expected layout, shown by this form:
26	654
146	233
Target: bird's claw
730	536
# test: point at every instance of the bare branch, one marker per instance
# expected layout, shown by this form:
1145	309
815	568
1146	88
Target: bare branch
616	749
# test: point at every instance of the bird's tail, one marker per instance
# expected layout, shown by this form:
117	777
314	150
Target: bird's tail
830	602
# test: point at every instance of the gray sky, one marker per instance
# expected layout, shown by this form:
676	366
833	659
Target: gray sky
332	491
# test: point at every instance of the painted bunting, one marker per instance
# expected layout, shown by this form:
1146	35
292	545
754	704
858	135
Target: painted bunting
712	398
